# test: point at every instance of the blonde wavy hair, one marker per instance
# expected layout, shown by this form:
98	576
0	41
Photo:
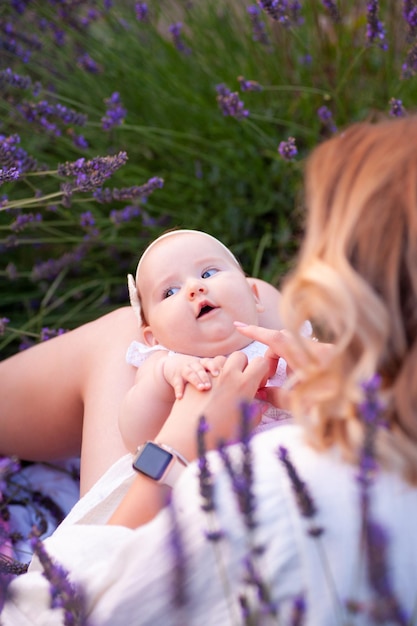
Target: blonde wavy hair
356	280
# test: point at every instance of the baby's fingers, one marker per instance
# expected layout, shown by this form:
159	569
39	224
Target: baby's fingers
197	375
213	365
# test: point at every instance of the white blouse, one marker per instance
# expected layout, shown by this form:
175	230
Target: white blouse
131	577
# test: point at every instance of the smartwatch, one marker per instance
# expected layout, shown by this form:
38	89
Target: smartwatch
159	462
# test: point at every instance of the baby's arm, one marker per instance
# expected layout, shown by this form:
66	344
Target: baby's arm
159	381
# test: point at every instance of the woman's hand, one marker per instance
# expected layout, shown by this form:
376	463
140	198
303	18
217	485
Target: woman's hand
283	344
280	342
220	405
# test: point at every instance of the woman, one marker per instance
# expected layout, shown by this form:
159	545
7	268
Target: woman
324	533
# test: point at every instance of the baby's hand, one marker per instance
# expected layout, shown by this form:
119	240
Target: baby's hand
180	369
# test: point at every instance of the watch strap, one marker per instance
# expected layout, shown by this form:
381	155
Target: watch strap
175	468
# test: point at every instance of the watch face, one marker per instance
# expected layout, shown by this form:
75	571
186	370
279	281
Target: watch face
152	461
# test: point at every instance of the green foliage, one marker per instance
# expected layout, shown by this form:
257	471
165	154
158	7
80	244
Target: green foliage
221	174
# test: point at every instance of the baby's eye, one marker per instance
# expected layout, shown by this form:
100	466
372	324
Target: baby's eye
170	292
208	273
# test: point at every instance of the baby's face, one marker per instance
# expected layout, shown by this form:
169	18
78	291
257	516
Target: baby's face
192	291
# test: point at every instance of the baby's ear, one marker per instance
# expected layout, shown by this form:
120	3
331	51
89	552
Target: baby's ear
148	336
259	306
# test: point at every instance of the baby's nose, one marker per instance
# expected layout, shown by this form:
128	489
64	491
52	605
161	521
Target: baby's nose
195	287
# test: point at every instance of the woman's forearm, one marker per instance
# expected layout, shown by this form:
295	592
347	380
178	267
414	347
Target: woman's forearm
142	503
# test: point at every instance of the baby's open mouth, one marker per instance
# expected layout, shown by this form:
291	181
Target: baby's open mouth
204	310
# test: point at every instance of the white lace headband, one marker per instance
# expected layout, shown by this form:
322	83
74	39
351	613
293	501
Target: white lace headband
132	282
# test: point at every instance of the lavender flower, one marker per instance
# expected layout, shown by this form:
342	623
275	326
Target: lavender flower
115	113
288	149
305	502
332	9
90	174
64	594
12	156
142	11
79	141
409	67
176	34
8	147
205	477
248	85
7	77
386	606
87	223
303	497
9	465
59	35
92	16
254	579
410	16
298	611
371	407
11	272
396	108
9	567
370	410
23	220
124	215
326	117
40	112
47	270
49	333
242	478
3	324
87	219
230	104
8	174
258	26
12	41
177	552
128	193
286	12
19	6
375	30
25	344
88	64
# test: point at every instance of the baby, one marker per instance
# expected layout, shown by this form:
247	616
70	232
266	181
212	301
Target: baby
189	291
